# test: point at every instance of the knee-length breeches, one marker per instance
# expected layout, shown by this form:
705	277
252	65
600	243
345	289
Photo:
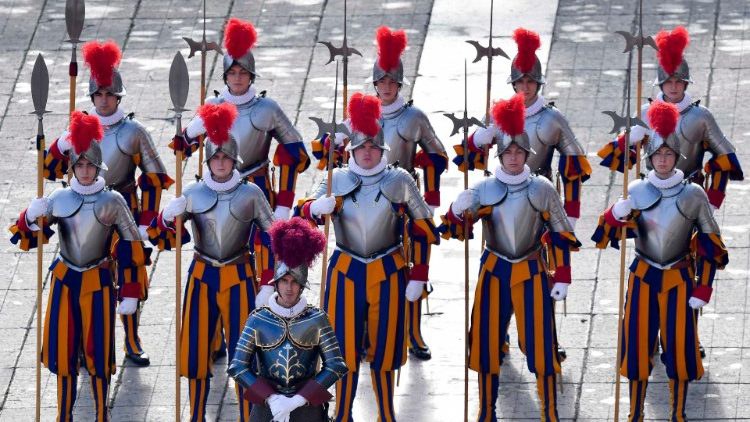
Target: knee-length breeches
657	306
367	309
503	289
80	317
211	293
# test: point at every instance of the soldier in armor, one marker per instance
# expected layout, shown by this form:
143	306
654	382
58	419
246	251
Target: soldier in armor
517	210
546	126
368	278
697	130
222	207
126	146
260	120
678	249
276	356
79	321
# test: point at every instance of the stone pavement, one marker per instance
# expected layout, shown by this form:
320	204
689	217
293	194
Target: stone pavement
585	71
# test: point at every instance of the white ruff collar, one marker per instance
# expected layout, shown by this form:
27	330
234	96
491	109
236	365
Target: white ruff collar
682	105
536	107
108	120
353	166
287	312
512	179
667	183
221	186
91	189
237	99
393	107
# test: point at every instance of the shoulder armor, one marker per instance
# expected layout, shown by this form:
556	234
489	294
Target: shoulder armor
691	200
540	191
344	182
200	198
64	202
264	317
491	191
395	184
108	207
411	122
243	204
643	194
305	331
263	114
129	134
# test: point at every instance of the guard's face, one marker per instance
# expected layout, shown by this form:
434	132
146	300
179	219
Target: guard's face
663	161
221	166
368	155
238	80
288	290
387	90
105	102
674	89
85	171
513	159
528	87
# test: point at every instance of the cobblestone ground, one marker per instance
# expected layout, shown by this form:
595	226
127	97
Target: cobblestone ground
585	70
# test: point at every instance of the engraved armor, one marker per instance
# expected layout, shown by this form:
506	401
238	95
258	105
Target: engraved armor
121	142
222	220
403	130
86	224
258	121
286	351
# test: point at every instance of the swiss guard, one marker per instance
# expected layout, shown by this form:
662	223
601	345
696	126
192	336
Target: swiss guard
276	356
126	146
223	208
368	279
260	120
678	249
522	215
79	322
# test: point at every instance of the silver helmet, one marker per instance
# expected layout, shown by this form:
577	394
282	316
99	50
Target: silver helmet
246	62
299	273
84	136
117	88
397	73
682	73
357	139
364	120
656	141
229	148
535	74
93	154
521	140
295	244
239	39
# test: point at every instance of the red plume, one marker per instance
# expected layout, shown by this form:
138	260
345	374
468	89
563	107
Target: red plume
84	130
364	112
218	120
510	115
391	44
102	59
671	46
239	37
528	43
295	242
663	117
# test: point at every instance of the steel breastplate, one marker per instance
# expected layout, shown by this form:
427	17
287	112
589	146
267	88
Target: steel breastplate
84	239
691	129
512	228
367	224
120	166
283	359
541	140
402	150
251	132
663	232
217	233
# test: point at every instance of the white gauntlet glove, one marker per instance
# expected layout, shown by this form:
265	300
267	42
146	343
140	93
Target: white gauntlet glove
286	405
143	232
175	207
637	133
37	208
622	208
323	206
128	306
696	303
414	290
339	138
559	291
63	144
484	136
462	203
195	127
281	213
261	299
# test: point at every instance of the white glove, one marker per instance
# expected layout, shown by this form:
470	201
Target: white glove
622	208
714	209
572	221
261	299
142	231
696	303
323	206
483	136
339	138
462	203
37	208
281	213
637	133
274	403
559	291
414	290
63	144
195	127
128	306
433	209
286	406
175	207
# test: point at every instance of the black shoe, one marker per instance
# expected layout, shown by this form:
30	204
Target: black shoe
702	350
218	354
561	353
421	353
139	360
